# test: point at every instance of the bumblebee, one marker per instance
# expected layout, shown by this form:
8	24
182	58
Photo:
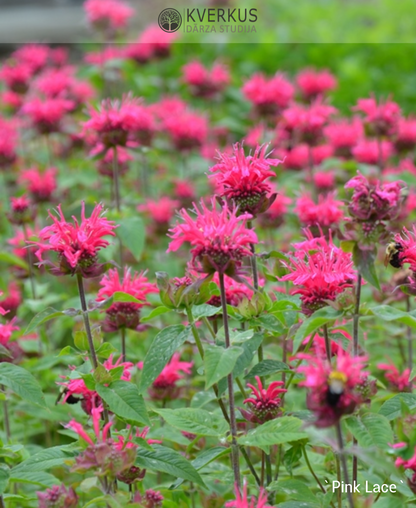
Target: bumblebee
392	254
70	400
336	386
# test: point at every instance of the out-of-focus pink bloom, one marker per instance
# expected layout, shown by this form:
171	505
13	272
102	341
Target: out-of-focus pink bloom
321	274
268	95
264	403
370	151
124	314
168	107
307	121
161	210
235	292
274	216
106	164
160	42
219	240
18	241
119	123
255	136
6	330
8	143
11	100
405	138
374	201
299	156
399	382
108	54
151	499
407	464
242	500
58	56
34	55
343	135
16	76
382	118
108	14
332	391
46	115
40	184
326	213
12	301
241	179
187	129
58	495
314	83
324	180
205	82
77	244
184	190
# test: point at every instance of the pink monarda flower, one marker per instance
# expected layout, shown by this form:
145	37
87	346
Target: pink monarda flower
77	244
20	248
235	292
324	180
8	143
16	76
241	179
299	156
161	212
381	118
407	463
405	244
106	55
242	500
263	403
21	210
398	382
150	499
40	184
370	151
203	82
343	135
332	391
58	495
313	83
309	121
219	240
120	123
187	129
102	455
405	138
12	301
34	55
105	165
268	95
47	115
107	15
326	213
374	201
75	390
160	42
184	191
322	273
124	314
274	216
164	386
7	329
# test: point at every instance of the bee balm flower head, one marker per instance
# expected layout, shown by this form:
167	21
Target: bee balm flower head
264	403
219	239
77	244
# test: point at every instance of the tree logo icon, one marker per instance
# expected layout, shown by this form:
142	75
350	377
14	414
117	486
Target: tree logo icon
170	20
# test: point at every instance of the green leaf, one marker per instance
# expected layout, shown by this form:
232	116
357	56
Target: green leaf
370	430
219	362
168	461
296	490
4	477
43	460
22	383
393	407
388	313
124	400
278	431
120	296
34	477
131	232
155	313
195	421
267	367
11	259
205	310
269	322
364	261
160	352
292	457
319	318
42	317
81	340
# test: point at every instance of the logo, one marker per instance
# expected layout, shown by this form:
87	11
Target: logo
170	20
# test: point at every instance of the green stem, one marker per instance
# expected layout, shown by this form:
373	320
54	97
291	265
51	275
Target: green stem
318	481
123	344
231	400
355	337
30	263
343	462
86	319
327	343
